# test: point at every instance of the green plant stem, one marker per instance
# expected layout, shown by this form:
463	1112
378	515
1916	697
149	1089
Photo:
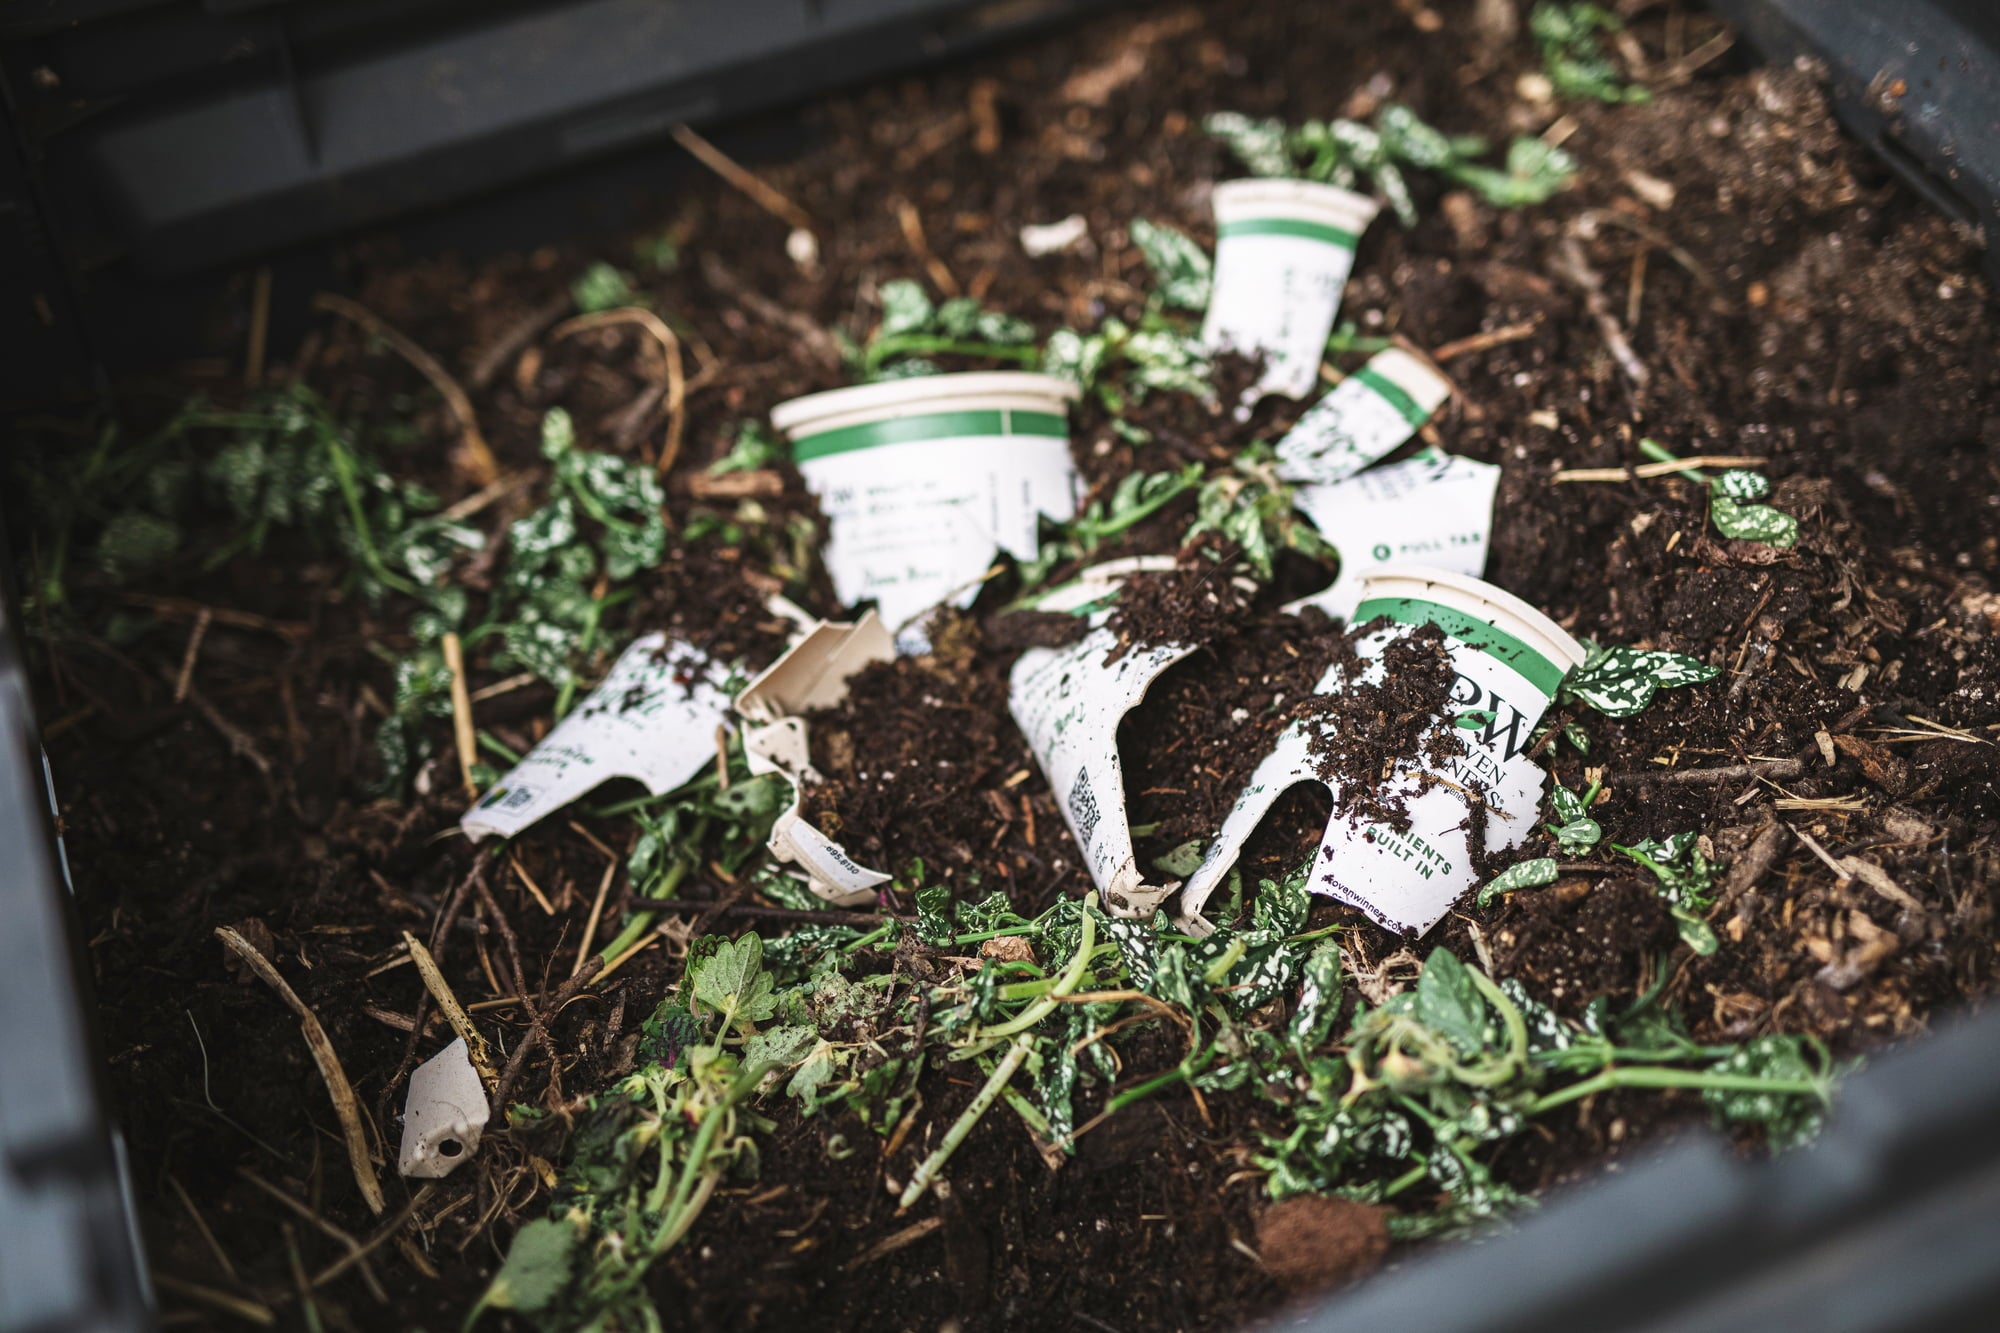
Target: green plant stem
1656	1077
343	473
995	1083
634	929
1404	1181
1654	450
1071	978
678	1216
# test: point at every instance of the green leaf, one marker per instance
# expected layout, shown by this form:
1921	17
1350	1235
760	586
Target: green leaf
1535	172
756	446
905	309
1181	861
537	1267
134	543
1619	682
601	287
1527	875
780	1047
732	981
1576	832
1752	522
1448	1001
934	920
1789	1119
1182	272
1258	144
1573	54
1075	357
558	433
1319	999
1738	484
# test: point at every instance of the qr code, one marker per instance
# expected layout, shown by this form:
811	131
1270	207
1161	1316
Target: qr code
1083	811
505	798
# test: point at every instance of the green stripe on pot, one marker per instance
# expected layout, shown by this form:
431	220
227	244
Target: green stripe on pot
1399	398
1312	231
935	426
1497	643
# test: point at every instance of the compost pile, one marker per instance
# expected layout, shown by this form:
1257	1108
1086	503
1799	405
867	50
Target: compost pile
713	1093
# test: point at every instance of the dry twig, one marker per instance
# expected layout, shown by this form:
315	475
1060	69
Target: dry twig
766	196
461	712
484	468
670	346
330	1070
461	1023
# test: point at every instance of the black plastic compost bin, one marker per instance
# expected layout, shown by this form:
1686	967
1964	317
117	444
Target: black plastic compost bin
150	142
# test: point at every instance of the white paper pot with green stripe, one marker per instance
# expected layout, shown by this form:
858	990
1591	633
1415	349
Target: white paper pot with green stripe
1282	255
923	479
1510	658
1510	661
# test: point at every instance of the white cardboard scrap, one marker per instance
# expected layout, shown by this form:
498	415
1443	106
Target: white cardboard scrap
1068	703
1361	419
1432	509
813	673
443	1115
653	718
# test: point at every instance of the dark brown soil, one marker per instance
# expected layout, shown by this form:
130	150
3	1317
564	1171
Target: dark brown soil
1782	297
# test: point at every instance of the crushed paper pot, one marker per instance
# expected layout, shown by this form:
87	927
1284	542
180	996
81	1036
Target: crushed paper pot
813	673
923	479
443	1116
1363	418
1433	508
652	718
1283	252
1510	660
1068	702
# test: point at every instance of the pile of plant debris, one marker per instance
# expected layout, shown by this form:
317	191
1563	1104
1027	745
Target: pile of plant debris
284	631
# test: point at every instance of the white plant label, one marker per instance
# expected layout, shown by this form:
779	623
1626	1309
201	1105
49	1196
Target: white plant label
813	673
1278	283
653	718
916	506
1433	509
1363	418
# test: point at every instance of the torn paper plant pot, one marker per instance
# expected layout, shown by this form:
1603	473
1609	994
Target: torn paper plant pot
1283	251
443	1115
1068	702
813	673
1510	660
1363	418
1433	509
653	718
924	479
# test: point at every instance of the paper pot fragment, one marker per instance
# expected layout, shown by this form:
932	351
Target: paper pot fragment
1068	702
1432	509
1364	417
924	479
443	1115
1510	660
653	718
813	673
1283	251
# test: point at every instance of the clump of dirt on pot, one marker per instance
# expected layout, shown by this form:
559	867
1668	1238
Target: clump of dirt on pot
1190	747
1317	1241
1196	602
